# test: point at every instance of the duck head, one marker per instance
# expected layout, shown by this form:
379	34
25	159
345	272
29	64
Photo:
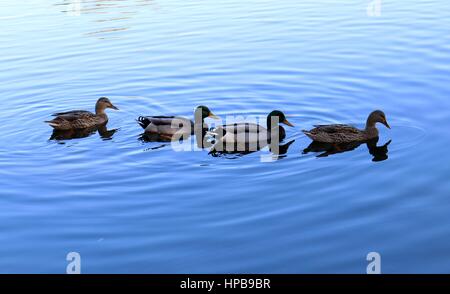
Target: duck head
102	104
205	112
277	116
375	117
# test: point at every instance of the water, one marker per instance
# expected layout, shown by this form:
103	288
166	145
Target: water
137	207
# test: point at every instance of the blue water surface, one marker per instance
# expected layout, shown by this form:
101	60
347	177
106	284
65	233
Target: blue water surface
128	206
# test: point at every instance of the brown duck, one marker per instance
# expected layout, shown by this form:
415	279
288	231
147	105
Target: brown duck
346	133
82	119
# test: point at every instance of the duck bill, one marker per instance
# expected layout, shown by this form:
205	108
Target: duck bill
386	124
286	122
212	115
114	107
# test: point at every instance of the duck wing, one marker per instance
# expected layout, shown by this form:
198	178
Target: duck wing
77	119
240	128
72	112
158	120
145	121
337	128
335	134
74	115
165	125
240	137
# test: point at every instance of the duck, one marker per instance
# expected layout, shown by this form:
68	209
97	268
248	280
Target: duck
340	133
82	119
168	126
250	135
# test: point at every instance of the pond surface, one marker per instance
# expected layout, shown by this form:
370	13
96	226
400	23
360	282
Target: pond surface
131	206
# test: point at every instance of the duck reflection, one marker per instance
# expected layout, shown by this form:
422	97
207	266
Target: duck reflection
102	130
281	150
379	153
154	138
278	152
150	138
111	16
200	135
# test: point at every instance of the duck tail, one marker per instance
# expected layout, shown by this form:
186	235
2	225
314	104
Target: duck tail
53	124
143	122
212	133
307	133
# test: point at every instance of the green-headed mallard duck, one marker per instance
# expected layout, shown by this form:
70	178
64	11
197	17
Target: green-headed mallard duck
167	126
82	119
241	135
345	133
